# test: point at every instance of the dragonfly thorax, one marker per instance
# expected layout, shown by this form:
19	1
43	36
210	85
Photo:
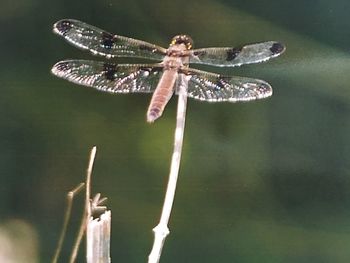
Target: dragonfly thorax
172	63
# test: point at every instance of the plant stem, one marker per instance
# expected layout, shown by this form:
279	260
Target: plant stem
98	236
161	230
87	210
70	197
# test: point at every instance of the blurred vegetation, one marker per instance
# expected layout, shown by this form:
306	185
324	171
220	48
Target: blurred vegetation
265	181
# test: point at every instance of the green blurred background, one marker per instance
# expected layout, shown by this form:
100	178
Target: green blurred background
264	181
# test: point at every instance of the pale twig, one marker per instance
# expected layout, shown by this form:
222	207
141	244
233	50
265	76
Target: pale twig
70	197
98	235
161	230
98	232
87	210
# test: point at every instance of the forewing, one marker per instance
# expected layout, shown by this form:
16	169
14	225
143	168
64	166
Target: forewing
236	56
212	87
110	77
100	42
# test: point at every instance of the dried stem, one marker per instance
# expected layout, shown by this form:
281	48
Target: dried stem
98	235
87	210
161	230
70	197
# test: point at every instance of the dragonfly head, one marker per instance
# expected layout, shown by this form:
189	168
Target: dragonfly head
182	39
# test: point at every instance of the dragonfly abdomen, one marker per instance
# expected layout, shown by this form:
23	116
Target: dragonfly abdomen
162	94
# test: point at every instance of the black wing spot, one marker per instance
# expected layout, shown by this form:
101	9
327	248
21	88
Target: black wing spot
277	48
63	27
221	82
233	53
62	66
263	88
107	40
199	53
109	71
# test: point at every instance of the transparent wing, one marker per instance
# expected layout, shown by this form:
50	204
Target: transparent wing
212	87
100	42
110	77
236	56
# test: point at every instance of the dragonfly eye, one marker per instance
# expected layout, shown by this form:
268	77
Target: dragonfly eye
182	39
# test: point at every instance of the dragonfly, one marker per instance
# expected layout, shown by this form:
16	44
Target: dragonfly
170	69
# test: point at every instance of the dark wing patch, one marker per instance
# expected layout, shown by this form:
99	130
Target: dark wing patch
110	77
110	70
107	40
63	27
230	57
233	53
100	42
277	48
212	87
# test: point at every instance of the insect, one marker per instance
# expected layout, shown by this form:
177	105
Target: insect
171	70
